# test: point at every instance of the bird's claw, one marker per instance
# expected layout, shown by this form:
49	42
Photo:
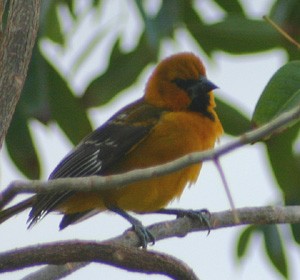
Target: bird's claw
202	215
144	235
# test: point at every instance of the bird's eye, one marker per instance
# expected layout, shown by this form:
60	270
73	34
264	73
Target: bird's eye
184	84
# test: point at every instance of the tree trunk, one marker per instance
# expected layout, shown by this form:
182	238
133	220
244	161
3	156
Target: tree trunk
16	43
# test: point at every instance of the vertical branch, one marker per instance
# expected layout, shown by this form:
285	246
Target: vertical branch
2	9
16	44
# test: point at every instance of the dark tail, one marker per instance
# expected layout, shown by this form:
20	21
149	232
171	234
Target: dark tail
11	211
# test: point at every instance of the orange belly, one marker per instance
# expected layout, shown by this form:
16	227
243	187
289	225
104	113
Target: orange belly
176	135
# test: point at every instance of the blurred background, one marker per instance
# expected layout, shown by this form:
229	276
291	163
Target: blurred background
94	57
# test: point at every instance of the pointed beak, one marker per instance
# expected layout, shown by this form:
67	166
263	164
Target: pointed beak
205	85
200	97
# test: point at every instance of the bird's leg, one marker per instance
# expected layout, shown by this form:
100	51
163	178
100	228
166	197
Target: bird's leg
203	215
144	235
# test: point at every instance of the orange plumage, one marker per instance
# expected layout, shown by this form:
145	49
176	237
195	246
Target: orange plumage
175	117
176	132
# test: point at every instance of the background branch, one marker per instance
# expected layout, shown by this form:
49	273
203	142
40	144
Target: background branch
113	251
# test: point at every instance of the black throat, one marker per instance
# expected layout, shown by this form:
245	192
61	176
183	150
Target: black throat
198	91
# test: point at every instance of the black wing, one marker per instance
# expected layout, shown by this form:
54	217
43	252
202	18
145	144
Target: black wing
98	152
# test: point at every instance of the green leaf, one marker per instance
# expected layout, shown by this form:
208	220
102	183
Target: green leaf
291	103
234	122
33	103
34	100
273	244
122	72
286	12
166	20
97	2
281	93
21	148
231	7
275	249
244	241
286	167
45	96
282	158
65	108
195	26
70	4
235	35
50	25
163	24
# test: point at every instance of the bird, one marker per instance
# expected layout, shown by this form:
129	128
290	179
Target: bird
175	116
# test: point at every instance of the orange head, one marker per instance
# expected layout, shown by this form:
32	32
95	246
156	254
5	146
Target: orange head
179	83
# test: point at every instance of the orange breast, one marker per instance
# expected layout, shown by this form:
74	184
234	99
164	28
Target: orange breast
176	134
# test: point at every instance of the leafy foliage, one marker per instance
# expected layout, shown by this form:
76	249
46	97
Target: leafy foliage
48	95
281	94
273	242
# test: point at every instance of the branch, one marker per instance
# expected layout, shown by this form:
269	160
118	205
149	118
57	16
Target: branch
55	272
101	183
121	251
281	31
2	9
247	216
16	44
129	258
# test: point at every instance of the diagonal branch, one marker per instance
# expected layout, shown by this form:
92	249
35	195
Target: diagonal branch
100	183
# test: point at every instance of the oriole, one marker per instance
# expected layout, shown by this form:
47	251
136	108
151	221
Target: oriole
176	116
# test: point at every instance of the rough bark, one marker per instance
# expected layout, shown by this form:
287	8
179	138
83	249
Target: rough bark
16	44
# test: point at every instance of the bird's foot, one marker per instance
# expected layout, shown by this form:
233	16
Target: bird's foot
202	215
143	234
